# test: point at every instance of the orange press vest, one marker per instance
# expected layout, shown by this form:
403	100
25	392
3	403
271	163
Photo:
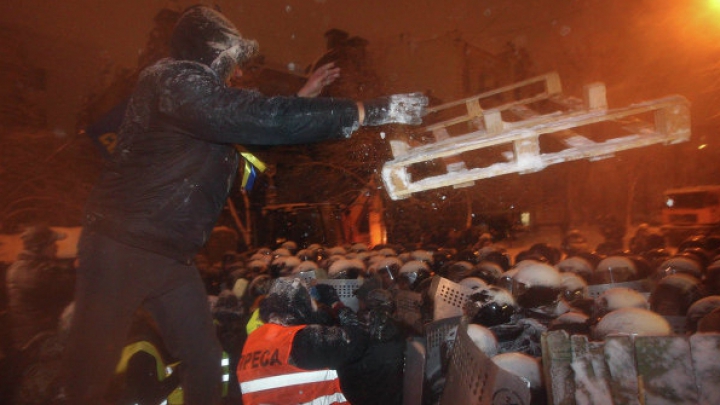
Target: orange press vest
267	377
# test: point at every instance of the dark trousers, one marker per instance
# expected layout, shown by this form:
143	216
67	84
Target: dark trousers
113	280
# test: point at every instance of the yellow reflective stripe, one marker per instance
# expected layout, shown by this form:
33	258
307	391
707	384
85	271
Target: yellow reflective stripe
287	380
254	322
176	397
143	346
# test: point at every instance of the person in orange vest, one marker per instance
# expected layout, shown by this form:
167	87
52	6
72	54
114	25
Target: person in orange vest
294	356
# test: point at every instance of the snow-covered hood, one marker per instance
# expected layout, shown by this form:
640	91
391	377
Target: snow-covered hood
204	35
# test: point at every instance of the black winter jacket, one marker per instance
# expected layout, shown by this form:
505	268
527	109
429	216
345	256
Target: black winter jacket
174	163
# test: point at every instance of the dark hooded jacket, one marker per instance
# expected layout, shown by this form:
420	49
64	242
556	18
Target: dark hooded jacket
174	162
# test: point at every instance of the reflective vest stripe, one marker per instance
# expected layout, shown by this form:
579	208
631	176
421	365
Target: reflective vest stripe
288	380
267	376
327	400
141	346
225	365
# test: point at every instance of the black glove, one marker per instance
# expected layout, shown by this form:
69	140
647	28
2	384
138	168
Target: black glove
398	109
326	294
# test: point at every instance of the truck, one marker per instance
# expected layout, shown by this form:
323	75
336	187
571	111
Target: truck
690	211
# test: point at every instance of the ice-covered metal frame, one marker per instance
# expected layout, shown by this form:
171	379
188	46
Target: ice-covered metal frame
669	123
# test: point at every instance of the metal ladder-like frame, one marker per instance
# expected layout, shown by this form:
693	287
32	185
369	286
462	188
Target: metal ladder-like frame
670	124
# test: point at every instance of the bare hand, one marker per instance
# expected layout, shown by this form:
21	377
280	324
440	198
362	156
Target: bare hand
321	77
